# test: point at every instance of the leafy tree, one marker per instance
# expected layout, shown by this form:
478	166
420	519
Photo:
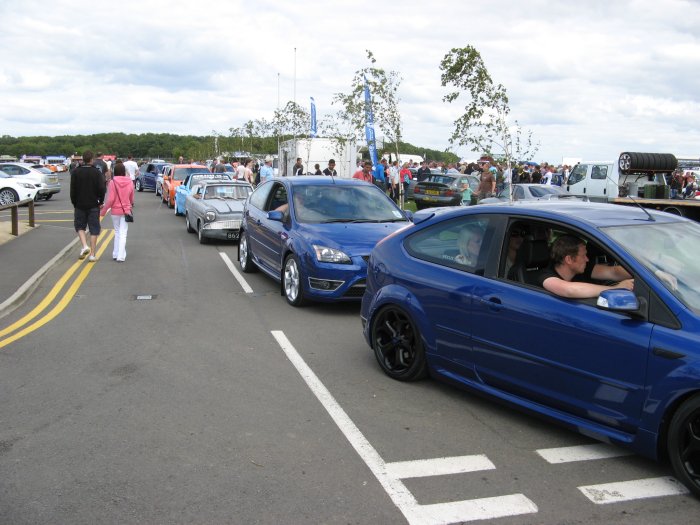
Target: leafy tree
383	87
484	126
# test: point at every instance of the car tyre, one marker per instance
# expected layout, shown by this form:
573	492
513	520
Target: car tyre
176	212
200	236
189	227
398	345
48	196
245	258
684	444
139	186
8	196
169	202
292	281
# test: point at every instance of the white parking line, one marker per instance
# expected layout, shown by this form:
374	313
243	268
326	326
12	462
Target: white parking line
582	453
246	287
631	490
415	514
439	466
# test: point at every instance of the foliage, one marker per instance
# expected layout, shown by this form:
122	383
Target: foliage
383	88
484	125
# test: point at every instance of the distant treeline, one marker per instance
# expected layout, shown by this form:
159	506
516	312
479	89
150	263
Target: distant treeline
166	146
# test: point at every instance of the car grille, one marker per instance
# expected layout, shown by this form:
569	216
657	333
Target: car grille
225	225
357	289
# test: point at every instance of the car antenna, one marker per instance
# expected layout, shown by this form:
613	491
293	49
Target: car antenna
634	200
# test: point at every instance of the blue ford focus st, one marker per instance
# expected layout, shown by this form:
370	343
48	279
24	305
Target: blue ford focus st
314	235
465	295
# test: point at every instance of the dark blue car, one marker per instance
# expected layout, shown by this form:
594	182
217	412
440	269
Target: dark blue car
148	174
459	295
314	235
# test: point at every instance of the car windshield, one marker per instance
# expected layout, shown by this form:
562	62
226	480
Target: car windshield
227	192
181	173
441	179
544	190
670	248
335	203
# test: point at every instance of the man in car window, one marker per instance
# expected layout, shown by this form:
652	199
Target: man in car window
570	271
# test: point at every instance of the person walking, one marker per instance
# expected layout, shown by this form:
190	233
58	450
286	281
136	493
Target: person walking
87	194
365	173
101	165
120	199
131	168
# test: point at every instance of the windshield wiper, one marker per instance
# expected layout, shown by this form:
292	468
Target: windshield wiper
354	221
393	220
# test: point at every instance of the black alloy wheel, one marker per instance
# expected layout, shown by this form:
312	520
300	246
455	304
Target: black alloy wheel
397	345
684	444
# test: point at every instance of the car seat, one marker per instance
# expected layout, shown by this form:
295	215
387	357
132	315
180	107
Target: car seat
534	256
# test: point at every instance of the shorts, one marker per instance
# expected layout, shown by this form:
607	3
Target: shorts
87	218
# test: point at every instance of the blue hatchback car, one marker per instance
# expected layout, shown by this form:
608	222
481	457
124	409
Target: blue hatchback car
314	234
460	295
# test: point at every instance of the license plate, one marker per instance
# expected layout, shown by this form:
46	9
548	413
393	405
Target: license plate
432	192
232	235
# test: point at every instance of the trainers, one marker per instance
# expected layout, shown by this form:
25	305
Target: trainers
92	258
84	252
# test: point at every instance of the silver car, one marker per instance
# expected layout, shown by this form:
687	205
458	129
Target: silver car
44	179
214	209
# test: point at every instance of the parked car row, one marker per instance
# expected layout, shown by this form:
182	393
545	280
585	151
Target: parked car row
15	189
42	178
455	293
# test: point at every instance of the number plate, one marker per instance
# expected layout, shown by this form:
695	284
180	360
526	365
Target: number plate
432	192
232	235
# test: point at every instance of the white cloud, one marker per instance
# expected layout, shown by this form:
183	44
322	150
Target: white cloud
590	79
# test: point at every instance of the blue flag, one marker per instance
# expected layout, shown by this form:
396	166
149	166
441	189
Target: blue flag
313	117
369	126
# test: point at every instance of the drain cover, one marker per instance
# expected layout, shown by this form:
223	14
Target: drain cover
144	297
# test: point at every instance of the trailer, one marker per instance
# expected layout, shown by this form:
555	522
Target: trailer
636	179
317	151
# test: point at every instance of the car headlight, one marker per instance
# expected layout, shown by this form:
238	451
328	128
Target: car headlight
331	255
210	216
27	185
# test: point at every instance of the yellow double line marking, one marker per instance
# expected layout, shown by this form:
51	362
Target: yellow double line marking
104	238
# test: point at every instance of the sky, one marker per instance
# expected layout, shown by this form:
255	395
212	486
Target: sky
590	79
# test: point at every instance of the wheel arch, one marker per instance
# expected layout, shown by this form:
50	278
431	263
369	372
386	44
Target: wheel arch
398	296
669	412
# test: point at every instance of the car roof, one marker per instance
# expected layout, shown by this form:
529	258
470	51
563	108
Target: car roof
594	214
319	180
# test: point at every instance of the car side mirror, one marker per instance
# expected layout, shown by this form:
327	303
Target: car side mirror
618	300
275	215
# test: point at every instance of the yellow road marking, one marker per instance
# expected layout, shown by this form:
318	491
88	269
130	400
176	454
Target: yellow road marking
61	305
49	298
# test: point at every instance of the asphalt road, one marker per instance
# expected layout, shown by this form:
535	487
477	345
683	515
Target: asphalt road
206	403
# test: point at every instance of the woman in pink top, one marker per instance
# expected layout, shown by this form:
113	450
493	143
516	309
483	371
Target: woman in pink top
120	199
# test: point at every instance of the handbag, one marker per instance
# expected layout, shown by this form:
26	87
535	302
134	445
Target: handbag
128	217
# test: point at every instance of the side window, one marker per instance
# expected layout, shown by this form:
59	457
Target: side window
599	172
259	197
578	173
279	197
519	193
461	243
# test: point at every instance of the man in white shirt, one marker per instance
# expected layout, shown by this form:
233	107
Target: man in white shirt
131	168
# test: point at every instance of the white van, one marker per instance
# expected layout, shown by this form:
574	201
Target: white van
604	180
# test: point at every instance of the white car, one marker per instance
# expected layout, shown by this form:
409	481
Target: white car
14	190
44	179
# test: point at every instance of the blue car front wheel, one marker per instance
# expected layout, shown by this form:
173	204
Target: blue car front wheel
397	345
684	443
292	281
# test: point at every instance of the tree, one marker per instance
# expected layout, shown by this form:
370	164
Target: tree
484	126
383	87
292	119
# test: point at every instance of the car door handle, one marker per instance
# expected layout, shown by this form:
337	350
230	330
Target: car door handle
493	303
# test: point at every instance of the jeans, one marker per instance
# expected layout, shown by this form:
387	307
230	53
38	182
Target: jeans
121	228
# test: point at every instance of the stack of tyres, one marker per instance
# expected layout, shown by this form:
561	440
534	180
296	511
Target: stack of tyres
663	192
630	162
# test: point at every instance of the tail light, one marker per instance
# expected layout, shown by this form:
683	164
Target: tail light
450	193
417	190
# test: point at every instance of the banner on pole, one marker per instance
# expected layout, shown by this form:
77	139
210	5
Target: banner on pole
313	118
369	126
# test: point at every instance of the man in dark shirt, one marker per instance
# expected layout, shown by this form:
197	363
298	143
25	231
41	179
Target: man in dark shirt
423	172
87	194
570	270
101	165
330	170
298	168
